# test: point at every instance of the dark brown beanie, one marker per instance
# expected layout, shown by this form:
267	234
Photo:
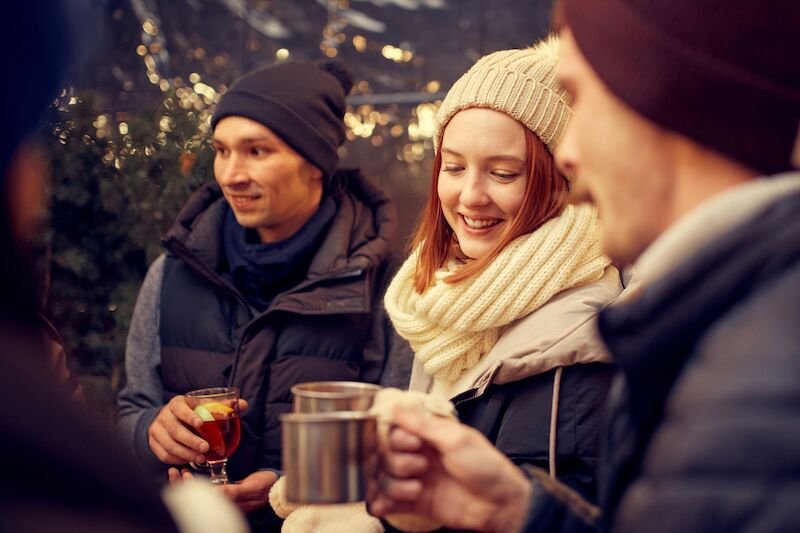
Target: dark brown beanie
303	103
725	73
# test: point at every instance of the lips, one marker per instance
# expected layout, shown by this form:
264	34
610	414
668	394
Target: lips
243	201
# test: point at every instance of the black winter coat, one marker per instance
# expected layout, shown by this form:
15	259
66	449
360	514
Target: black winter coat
328	327
704	434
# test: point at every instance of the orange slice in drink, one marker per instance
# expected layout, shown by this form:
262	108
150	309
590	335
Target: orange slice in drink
218	410
210	430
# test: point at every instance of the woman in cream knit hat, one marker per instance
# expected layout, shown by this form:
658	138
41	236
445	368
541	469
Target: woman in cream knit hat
499	295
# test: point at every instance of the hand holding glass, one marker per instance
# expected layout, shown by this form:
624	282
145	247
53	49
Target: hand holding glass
219	409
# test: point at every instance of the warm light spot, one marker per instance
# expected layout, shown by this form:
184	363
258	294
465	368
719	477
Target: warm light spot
359	43
433	86
282	54
165	124
331	52
149	27
141	50
194	77
123	128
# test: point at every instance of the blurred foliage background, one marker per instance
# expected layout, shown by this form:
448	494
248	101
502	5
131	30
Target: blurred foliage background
129	137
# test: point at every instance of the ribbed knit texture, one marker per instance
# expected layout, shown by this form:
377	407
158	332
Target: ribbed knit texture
725	74
301	103
451	326
519	83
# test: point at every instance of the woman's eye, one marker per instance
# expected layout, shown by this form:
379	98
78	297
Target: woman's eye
505	176
452	169
258	151
219	150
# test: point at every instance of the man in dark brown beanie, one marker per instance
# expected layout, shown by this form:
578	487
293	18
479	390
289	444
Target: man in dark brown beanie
273	275
685	133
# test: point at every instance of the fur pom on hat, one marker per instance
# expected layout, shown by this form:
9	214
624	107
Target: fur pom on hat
519	83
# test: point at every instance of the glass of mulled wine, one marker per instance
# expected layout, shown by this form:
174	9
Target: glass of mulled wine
218	407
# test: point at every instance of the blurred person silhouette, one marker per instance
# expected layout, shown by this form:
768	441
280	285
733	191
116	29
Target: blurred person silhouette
500	294
686	133
273	275
63	470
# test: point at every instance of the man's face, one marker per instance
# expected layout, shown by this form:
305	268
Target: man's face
269	186
622	158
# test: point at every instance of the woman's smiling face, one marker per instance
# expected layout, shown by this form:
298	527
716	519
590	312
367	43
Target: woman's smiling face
482	178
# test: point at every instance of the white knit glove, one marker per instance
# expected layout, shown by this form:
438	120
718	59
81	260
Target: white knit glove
340	518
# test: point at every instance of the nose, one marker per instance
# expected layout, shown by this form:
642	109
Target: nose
567	153
473	190
231	170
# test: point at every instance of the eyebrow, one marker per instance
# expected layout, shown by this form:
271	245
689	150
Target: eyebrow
511	158
246	140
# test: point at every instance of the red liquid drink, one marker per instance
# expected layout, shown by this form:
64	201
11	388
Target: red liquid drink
223	435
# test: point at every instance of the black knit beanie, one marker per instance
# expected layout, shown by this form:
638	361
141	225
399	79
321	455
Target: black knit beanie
303	103
725	73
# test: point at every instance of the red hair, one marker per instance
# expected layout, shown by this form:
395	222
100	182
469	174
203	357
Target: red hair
545	193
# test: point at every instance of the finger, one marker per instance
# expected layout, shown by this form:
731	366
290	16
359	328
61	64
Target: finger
182	435
383	505
401	440
230	490
243	405
440	433
402	490
162	454
186	474
405	465
181	410
174	476
173	451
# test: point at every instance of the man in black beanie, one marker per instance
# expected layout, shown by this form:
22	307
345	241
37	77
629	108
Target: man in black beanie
273	276
685	131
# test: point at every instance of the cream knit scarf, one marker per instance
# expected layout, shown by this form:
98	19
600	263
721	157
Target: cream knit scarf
451	326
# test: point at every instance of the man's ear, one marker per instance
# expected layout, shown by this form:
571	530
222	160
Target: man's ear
312	171
26	179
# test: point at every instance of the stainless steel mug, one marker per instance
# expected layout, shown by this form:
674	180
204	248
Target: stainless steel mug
328	457
332	396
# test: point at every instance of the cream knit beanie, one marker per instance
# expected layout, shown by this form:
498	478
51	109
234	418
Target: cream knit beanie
519	83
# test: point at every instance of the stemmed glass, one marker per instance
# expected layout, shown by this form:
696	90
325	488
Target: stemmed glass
218	407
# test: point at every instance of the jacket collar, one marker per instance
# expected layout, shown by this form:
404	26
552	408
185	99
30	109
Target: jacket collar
360	237
708	221
652	335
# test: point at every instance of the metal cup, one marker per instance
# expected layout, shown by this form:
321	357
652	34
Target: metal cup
328	457
333	396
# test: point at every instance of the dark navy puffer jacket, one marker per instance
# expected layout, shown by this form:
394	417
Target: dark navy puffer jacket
331	326
704	434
